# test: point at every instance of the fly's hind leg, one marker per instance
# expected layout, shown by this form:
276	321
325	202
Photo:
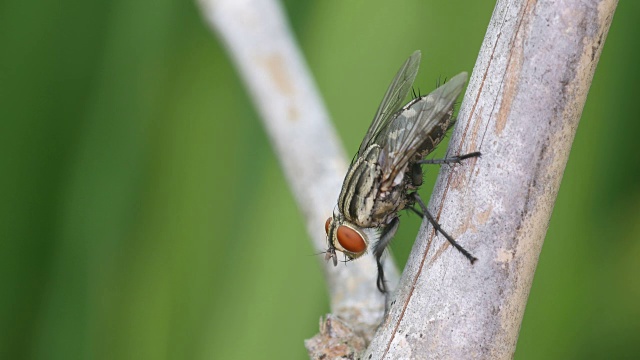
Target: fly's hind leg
451	160
436	225
378	249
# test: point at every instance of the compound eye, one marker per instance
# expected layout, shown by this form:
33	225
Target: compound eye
326	225
351	240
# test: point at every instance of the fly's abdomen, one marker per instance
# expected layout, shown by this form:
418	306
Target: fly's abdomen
432	140
435	136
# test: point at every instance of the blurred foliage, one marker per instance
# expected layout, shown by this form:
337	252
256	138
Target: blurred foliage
143	214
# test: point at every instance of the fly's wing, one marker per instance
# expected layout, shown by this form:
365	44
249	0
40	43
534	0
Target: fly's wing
407	131
392	100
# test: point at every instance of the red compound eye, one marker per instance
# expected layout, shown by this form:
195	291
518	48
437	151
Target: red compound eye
326	225
351	240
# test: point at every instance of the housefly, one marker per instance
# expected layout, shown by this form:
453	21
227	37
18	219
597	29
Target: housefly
386	172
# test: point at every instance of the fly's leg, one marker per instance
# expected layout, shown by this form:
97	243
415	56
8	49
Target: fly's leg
378	249
451	160
331	254
434	223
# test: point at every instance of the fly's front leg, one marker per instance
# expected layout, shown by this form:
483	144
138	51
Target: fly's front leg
451	160
378	249
439	229
331	254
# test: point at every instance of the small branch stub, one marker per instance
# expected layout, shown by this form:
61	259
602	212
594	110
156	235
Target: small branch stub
336	340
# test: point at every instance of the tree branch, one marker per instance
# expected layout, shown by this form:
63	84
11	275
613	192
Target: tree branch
521	110
264	51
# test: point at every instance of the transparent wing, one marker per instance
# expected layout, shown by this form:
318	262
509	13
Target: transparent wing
393	98
407	132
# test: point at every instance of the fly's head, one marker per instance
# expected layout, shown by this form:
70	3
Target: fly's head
345	237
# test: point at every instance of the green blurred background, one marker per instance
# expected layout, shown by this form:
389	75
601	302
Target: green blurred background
143	214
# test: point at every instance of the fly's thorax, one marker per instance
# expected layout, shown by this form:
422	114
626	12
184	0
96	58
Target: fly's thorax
345	237
360	188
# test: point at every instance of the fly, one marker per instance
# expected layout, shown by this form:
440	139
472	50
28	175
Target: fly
386	172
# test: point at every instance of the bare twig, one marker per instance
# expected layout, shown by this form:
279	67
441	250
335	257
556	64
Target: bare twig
521	111
264	51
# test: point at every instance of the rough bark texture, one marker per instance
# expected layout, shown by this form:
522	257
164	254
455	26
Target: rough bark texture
521	110
267	58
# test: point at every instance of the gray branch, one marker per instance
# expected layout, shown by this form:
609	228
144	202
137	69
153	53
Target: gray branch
521	110
269	61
